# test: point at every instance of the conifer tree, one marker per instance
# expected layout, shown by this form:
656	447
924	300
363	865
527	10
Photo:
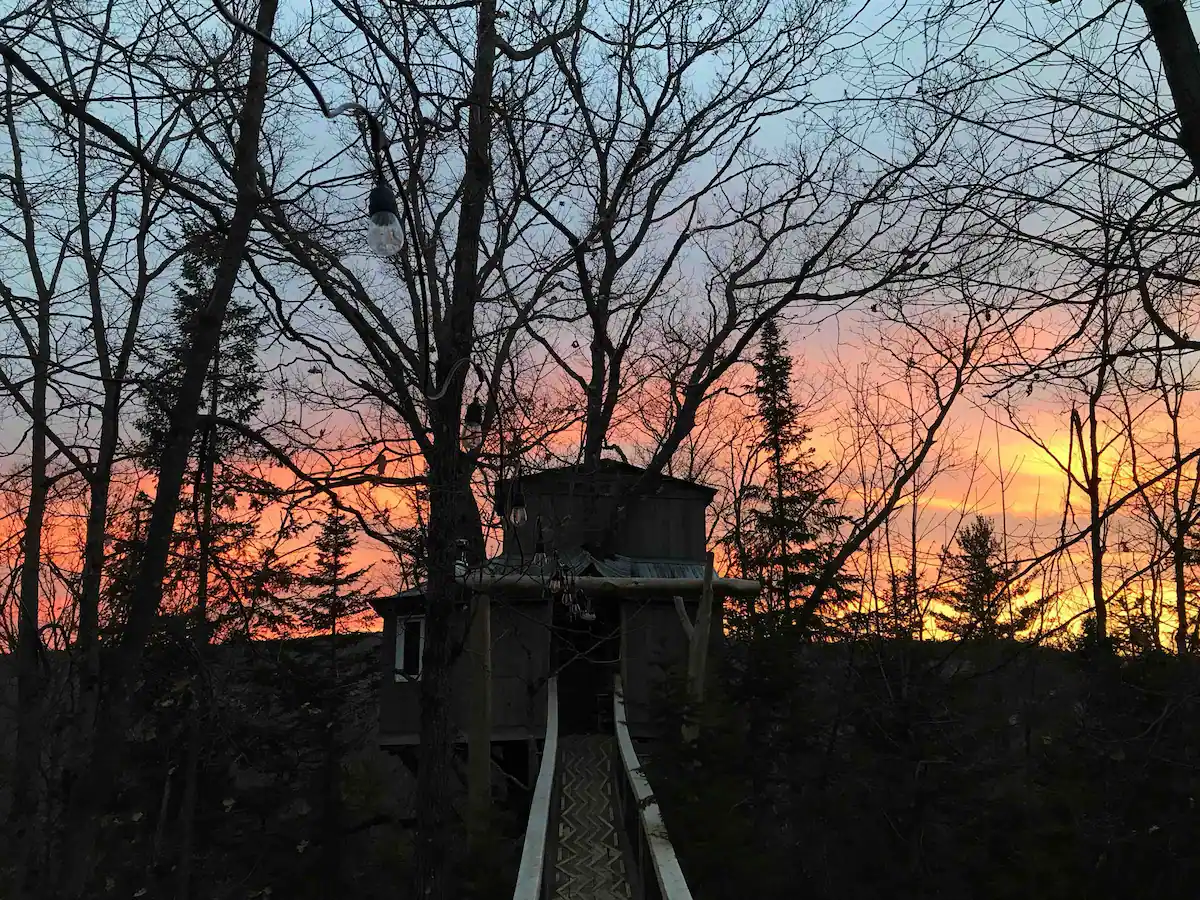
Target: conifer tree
789	518
334	593
235	382
334	597
212	532
222	497
987	600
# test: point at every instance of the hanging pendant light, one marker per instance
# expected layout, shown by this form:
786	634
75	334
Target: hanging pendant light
539	546
472	426
517	514
584	602
385	231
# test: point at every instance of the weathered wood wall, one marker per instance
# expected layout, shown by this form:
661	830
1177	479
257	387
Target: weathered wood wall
520	649
575	510
655	647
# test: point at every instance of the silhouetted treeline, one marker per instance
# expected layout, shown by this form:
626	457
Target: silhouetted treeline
905	770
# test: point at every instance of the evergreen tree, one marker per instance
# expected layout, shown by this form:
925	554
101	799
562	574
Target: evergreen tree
986	600
222	499
334	596
221	505
409	543
334	588
123	558
235	383
788	518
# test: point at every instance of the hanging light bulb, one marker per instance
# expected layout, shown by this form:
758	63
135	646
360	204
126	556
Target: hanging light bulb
385	231
558	583
517	515
539	547
472	426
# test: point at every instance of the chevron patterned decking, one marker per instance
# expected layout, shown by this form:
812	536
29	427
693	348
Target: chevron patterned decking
590	864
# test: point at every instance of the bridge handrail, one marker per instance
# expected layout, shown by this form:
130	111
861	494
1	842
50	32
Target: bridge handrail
532	880
668	876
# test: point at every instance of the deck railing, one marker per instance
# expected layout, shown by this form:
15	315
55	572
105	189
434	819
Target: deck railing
657	875
535	877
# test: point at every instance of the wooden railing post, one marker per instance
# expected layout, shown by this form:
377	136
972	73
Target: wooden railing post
659	874
535	877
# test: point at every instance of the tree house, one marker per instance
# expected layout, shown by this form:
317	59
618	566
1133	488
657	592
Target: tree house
627	562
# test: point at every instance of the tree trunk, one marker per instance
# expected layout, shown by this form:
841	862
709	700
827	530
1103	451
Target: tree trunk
89	802
595	424
100	476
191	775
435	832
91	582
452	515
1176	44
1099	602
331	791
781	525
28	763
87	638
1179	561
448	484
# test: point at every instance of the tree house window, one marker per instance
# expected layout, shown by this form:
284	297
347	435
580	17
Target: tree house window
410	648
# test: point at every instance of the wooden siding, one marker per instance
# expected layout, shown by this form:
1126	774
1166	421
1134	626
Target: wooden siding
520	650
664	528
575	511
655	647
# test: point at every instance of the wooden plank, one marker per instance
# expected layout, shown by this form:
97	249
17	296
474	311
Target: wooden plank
667	873
683	616
533	853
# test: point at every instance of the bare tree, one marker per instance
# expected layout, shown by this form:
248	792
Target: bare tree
1093	443
894	441
414	357
1171	508
31	318
84	225
679	218
88	798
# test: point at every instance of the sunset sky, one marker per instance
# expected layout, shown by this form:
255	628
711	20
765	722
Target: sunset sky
850	360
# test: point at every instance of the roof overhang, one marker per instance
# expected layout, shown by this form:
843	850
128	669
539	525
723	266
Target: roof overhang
607	467
600	585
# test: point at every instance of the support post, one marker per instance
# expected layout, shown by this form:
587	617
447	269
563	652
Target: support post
479	718
698	648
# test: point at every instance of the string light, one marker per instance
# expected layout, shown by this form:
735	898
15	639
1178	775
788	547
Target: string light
539	546
385	231
558	583
517	514
472	427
